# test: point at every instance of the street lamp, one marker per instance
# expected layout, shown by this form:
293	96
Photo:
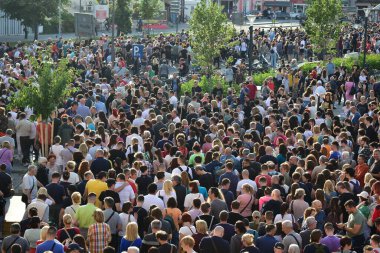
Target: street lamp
366	13
251	20
113	33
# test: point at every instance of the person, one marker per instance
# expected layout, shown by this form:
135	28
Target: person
311	224
291	237
131	237
330	240
150	239
29	185
112	218
187	227
215	243
50	244
355	225
151	198
84	217
248	244
32	234
66	234
99	233
236	240
187	244
266	243
14	238
316	245
165	246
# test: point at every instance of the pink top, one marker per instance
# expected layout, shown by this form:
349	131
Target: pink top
263	200
246	201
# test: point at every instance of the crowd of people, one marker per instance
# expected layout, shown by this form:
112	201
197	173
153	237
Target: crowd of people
136	165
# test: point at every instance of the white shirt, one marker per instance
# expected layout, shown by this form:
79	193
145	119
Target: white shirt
129	138
145	113
167	176
56	149
125	219
320	90
74	178
189	199
280	218
138	122
126	194
178	172
150	200
173	101
161	193
187	230
246	181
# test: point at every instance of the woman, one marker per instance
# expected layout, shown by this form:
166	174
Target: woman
348	86
201	227
187	228
167	192
194	193
131	237
66	234
84	149
235	244
248	244
32	235
329	191
246	200
76	199
99	234
327	102
284	215
159	161
6	156
52	165
89	123
126	217
43	233
188	245
84	166
79	239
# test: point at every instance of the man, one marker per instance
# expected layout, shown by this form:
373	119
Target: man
215	243
97	186
245	180
41	206
100	163
330	240
82	109
50	244
151	198
110	192
84	215
361	169
234	215
165	246
267	242
315	245
320	216
311	224
139	120
230	174
67	153
274	204
150	240
24	130
58	193
112	218
375	168
318	169
206	216
134	134
14	238
229	229
291	236
354	226
65	131
29	184
180	191
344	196
5	193
216	203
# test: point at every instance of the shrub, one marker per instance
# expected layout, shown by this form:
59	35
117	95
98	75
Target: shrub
206	84
307	67
372	60
259	78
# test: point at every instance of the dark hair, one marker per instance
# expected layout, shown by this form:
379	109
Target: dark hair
172	203
240	226
152	188
16	248
126	207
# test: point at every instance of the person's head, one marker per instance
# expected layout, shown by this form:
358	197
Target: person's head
187	243
109	202
155	225
329	228
16	248
162	237
279	247
345	243
201	226
186	218
131	231
287	226
218	231
315	236
350	206
109	249
134	249
67	219
76	198
270	229
375	241
293	248
247	240
15	228
240	227
51	233
98	215
152	188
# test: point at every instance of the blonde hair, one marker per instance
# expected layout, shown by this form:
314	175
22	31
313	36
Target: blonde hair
88	120
6	144
328	187
367	178
201	226
42	191
168	187
247	188
188	240
248	239
67	219
98	215
131	231
76	198
70	165
43	233
83	149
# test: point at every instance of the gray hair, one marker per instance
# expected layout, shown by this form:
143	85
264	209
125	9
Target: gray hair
294	248
287	224
133	249
156	224
31	167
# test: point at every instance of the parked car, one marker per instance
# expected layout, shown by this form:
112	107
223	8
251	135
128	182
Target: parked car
297	15
282	15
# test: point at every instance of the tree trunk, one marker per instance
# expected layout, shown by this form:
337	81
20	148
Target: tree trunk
36	31
46	140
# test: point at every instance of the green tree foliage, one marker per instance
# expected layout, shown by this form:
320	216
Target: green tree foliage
49	89
323	24
123	16
32	13
149	9
209	32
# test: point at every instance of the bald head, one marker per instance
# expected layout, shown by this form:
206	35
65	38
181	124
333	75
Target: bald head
219	231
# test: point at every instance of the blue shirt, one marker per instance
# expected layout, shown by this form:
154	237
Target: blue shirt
266	243
100	106
233	178
83	111
51	245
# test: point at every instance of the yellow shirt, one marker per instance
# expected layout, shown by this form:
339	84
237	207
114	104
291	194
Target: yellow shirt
97	186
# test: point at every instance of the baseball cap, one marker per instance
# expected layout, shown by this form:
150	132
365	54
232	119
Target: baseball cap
363	194
279	245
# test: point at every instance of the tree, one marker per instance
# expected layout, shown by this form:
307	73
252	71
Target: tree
44	93
149	9
32	13
209	32
123	16
323	23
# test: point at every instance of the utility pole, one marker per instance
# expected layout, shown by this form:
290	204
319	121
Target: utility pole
59	18
80	6
113	32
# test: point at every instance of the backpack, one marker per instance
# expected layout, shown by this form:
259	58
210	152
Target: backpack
357	189
169	219
187	171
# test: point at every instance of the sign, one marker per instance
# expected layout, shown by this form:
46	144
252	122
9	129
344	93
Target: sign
138	51
101	12
84	25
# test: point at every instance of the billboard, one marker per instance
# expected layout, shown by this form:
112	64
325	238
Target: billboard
101	12
84	25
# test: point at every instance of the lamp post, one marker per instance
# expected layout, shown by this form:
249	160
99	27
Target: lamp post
366	13
59	18
251	19
113	33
